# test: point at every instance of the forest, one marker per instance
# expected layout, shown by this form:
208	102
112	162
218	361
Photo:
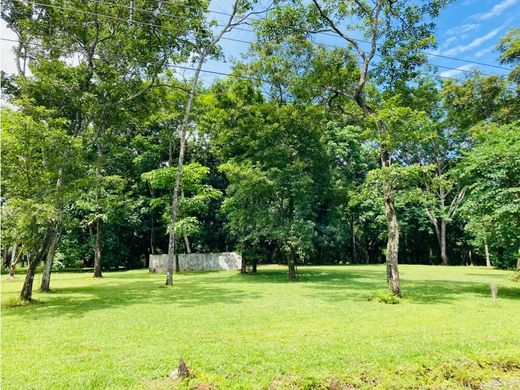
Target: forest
305	153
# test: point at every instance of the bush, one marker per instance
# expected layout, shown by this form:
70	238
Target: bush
385	297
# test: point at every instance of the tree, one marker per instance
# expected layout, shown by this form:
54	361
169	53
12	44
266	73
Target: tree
399	32
491	171
205	46
36	153
119	63
195	199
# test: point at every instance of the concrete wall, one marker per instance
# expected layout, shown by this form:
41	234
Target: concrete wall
199	262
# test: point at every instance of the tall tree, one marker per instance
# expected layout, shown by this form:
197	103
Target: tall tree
204	47
395	29
36	153
102	57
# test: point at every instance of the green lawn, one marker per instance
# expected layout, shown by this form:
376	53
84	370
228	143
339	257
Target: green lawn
255	331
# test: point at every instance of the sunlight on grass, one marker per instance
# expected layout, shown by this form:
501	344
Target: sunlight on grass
251	331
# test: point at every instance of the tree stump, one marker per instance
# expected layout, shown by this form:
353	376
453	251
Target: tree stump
183	371
494	292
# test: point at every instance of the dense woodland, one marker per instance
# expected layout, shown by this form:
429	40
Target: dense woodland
305	153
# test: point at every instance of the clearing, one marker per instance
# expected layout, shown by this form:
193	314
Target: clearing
261	331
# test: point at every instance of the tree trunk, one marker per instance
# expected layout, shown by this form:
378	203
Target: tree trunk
392	245
97	249
187	244
5	258
253	270
47	268
176	189
488	259
243	265
14	260
442	242
152	228
293	275
470	254
354	252
26	293
177	265
99	222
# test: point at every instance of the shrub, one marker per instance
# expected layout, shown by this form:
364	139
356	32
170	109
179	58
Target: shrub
385	297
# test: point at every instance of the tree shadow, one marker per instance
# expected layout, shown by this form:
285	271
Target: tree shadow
128	290
352	283
334	284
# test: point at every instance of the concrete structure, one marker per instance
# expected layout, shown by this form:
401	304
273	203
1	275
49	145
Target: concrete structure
199	262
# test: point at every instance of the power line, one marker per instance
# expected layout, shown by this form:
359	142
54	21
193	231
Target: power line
326	34
251	31
217	72
223	38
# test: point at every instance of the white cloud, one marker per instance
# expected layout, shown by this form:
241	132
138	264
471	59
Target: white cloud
465	28
480	53
497	9
456	72
473	44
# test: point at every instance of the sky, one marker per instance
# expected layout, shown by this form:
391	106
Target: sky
466	29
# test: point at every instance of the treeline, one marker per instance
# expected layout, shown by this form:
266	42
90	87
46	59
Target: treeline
305	153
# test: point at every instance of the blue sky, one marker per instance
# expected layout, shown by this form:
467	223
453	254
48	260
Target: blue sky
467	29
471	29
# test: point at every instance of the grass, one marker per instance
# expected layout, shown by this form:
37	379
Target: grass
255	331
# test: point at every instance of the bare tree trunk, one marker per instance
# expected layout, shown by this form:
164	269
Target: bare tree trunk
182	149
243	263
354	252
14	260
97	249
488	259
99	222
47	268
293	274
187	243
442	242
152	227
175	196
56	233
177	265
253	270
5	258
470	254
392	245
26	293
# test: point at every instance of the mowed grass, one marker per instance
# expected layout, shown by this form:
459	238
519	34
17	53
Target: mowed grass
255	331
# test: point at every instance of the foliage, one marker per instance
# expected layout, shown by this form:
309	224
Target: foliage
491	170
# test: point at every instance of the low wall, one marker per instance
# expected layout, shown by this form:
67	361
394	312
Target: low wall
199	262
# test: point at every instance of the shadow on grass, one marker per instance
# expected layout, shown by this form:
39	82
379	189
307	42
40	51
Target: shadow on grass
338	284
346	283
127	290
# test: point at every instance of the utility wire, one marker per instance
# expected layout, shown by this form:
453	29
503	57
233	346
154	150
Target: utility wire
217	72
318	33
223	38
251	31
